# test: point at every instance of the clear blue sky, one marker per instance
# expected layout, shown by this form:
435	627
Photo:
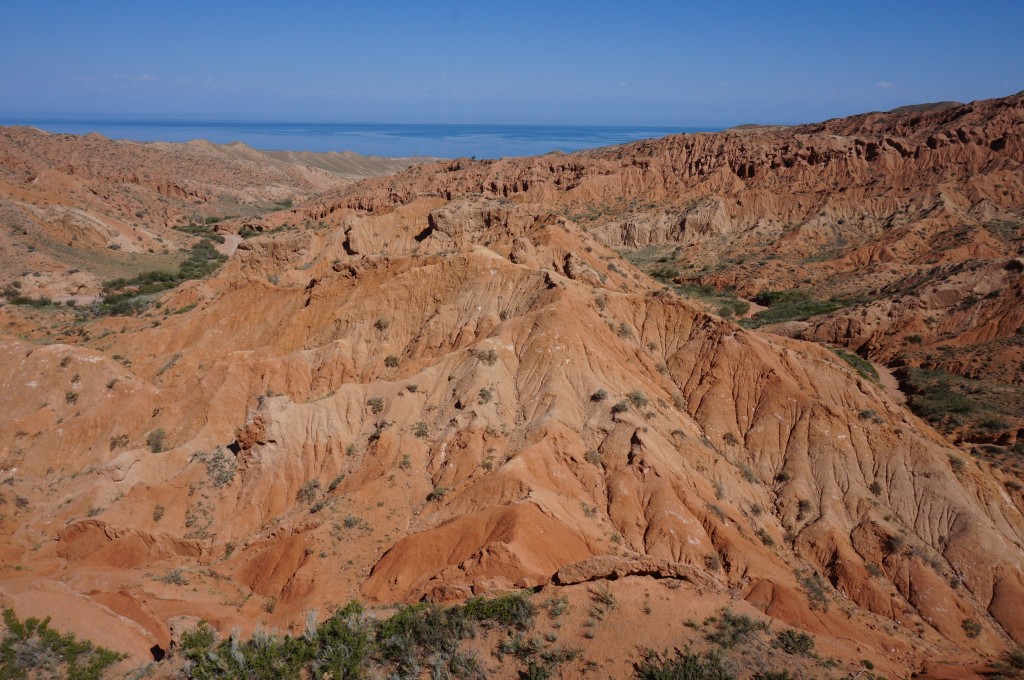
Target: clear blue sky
681	63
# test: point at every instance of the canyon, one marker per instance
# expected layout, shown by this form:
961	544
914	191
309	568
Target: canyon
772	371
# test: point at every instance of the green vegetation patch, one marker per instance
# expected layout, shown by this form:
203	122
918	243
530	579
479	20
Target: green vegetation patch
23	300
514	610
204	230
734	629
858	363
725	302
790	305
1008	231
686	666
31	648
352	644
122	297
977	410
938	397
659	262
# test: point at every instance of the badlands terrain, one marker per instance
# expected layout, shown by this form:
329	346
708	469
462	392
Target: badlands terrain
753	396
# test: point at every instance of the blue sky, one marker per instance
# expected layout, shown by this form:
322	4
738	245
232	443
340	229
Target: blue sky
680	63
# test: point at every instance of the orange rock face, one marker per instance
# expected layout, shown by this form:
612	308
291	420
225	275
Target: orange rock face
446	383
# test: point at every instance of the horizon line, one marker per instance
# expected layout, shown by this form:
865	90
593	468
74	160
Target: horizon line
23	119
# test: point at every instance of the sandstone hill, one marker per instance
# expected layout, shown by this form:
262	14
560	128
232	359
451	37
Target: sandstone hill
453	381
897	235
78	210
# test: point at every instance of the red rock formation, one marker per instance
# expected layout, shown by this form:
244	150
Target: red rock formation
441	393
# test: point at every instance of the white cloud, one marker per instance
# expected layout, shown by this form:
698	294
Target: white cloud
884	85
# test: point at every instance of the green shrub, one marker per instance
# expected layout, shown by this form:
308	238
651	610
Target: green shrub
437	493
489	357
861	365
219	466
31	648
734	629
424	629
40	301
174	577
683	667
637	398
796	642
156	440
344	642
765	537
513	610
308	492
815	588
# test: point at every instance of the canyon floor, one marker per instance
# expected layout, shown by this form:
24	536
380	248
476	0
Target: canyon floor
755	396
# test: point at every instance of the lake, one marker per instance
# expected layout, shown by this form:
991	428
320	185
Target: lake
378	139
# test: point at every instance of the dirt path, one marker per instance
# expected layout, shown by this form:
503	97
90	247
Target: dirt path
887	380
230	244
754	308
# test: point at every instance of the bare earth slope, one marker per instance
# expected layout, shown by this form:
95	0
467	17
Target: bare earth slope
447	383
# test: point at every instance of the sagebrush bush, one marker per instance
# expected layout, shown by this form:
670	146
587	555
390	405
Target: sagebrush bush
795	642
156	440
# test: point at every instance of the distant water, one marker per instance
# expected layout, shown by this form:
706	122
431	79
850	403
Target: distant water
439	140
